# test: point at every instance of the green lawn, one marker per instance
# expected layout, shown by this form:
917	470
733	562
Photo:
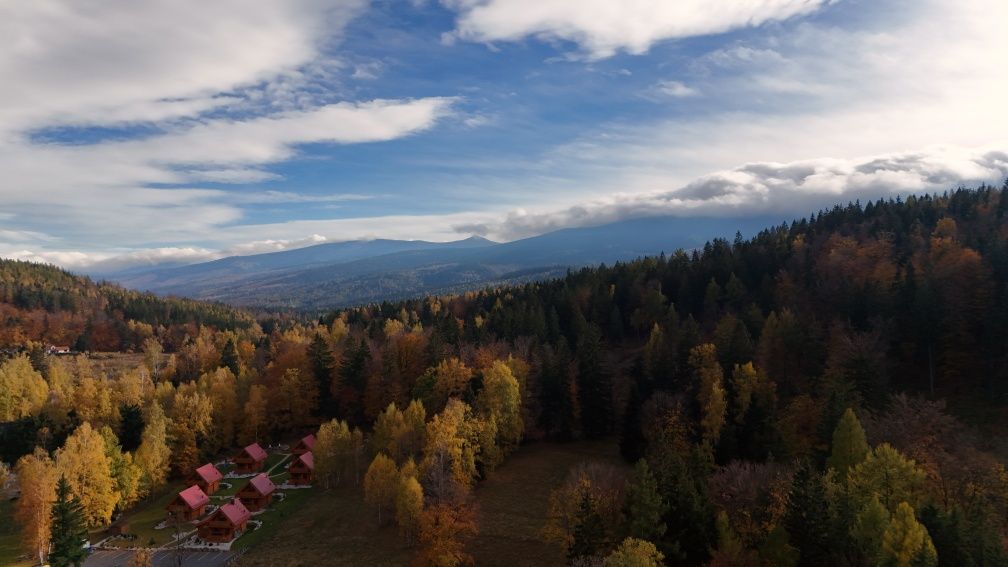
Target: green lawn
11	552
148	513
319	527
275	459
335	527
274	516
227	493
513	502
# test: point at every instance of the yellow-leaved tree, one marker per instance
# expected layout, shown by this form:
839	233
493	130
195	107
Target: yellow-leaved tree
36	474
381	484
409	503
221	386
906	542
152	456
23	391
191	419
83	462
449	457
254	422
500	399
710	391
333	453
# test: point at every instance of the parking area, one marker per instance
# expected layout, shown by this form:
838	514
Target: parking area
162	558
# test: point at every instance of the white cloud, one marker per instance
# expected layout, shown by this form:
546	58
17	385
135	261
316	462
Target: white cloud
788	189
367	71
674	89
118	60
602	27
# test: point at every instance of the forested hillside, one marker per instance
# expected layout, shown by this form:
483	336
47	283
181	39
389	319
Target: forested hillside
45	304
782	389
782	399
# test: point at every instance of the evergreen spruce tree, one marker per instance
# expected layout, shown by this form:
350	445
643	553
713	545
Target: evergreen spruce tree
807	518
68	530
644	506
594	385
229	357
322	365
632	442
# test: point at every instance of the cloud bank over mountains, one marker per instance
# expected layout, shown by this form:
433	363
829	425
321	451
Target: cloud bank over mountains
759	189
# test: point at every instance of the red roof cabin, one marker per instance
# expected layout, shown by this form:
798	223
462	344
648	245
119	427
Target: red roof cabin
250	460
189	504
226	523
208	478
302	468
258	493
305	445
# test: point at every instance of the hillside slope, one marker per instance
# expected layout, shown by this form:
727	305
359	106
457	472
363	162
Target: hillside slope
352	273
44	303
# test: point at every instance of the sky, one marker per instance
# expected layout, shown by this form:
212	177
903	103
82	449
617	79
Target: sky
135	133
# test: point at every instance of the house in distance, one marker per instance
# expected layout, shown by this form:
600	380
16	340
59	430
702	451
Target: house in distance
189	504
250	460
301	469
208	478
225	524
258	493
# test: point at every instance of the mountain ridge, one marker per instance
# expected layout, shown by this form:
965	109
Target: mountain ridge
339	274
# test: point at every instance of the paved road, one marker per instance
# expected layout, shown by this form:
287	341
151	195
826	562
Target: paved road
160	558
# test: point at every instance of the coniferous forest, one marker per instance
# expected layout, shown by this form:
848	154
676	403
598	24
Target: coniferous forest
829	392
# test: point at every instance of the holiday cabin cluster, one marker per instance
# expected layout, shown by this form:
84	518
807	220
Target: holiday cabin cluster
231	519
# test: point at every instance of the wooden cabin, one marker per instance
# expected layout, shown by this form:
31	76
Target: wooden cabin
225	524
189	504
258	493
250	460
305	445
208	478
302	468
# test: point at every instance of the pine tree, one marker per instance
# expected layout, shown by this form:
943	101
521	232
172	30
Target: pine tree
229	357
68	530
594	385
632	442
807	519
644	506
850	447
323	365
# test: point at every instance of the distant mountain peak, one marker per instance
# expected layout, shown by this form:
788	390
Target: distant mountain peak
479	239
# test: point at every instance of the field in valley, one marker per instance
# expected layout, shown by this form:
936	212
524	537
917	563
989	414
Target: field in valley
336	527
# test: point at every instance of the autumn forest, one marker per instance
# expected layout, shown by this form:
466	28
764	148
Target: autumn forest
832	391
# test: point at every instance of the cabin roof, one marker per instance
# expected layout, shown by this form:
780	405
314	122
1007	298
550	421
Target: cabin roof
309	441
262	483
255	452
194	497
209	473
235	512
308	459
